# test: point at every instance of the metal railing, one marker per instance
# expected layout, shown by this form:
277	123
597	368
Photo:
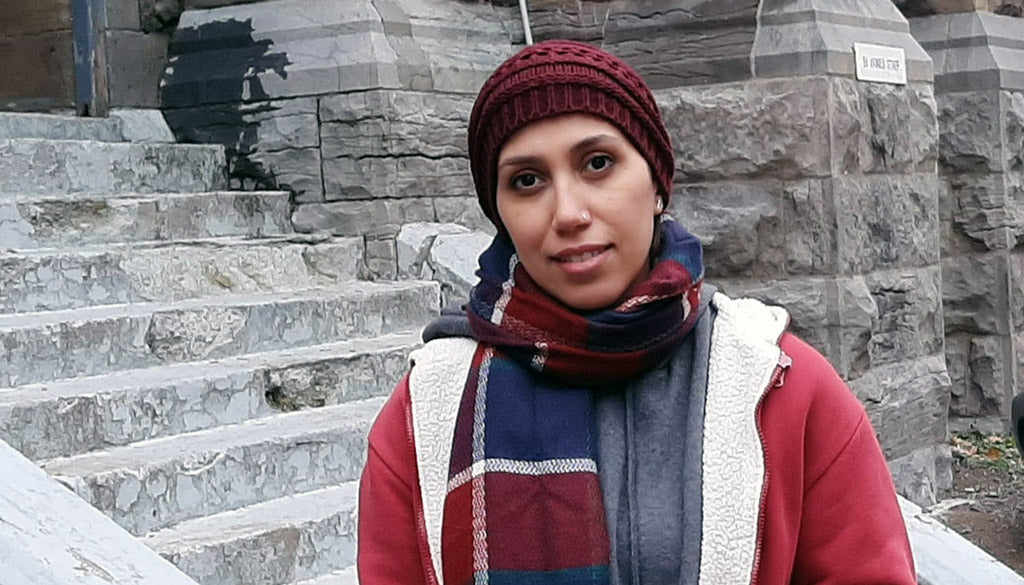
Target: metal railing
88	30
524	12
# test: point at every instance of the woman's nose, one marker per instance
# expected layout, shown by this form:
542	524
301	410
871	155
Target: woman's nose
571	212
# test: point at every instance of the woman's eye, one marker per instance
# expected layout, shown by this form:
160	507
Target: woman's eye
599	162
524	181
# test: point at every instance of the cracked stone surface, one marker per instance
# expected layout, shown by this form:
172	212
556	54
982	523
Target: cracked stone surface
297	537
27	223
99	340
21	125
981	125
148	486
45	167
175	354
67	280
446	253
52	536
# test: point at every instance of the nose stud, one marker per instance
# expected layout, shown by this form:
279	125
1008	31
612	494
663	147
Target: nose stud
585	215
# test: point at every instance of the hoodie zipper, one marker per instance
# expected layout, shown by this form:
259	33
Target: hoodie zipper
777	380
427	560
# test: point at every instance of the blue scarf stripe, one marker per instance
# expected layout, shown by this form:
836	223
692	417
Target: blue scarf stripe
576	576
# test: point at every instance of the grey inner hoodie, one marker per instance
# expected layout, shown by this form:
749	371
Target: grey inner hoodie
649	457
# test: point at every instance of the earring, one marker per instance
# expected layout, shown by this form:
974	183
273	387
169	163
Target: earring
585	215
659	205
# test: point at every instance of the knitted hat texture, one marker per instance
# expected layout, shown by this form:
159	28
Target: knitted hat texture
561	77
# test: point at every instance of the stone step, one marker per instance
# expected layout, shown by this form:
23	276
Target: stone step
57	127
48	167
71	417
155	484
39	347
343	577
277	542
28	223
54	280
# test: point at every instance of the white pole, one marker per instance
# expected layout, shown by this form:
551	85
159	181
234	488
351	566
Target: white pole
526	21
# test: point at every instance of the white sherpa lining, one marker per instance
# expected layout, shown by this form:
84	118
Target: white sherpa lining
743	357
436	383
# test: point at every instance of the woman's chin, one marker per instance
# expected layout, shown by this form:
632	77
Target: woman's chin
589	300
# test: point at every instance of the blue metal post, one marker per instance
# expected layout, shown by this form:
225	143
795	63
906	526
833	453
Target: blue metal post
88	28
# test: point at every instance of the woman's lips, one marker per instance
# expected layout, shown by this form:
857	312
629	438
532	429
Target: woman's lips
582	256
582	259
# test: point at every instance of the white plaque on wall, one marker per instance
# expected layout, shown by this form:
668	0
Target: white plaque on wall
880	63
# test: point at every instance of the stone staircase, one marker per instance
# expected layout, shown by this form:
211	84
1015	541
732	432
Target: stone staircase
181	359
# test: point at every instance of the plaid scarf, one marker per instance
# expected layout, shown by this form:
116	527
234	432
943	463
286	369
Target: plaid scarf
524	501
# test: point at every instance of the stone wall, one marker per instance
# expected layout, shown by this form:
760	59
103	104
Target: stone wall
358	113
136	55
670	42
819	192
36	63
980	93
913	8
820	200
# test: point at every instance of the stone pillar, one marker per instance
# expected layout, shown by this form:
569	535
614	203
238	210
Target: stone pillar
670	42
358	107
820	192
979	84
136	56
914	8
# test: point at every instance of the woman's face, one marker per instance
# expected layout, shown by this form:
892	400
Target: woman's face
578	201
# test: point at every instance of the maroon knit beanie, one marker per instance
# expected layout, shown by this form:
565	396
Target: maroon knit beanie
561	77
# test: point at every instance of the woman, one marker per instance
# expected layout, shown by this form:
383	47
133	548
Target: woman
598	414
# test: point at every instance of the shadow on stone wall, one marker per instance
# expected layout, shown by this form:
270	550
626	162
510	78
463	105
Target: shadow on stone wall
232	81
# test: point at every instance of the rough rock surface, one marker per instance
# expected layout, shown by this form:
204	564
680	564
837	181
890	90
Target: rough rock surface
812	193
446	253
671	42
912	8
52	536
981	121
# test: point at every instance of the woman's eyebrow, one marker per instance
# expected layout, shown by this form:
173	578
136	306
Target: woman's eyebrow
513	161
592	141
583	145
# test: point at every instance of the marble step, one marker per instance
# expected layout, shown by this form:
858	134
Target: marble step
49	536
347	576
40	347
53	280
71	417
39	167
159	483
28	223
59	127
299	537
